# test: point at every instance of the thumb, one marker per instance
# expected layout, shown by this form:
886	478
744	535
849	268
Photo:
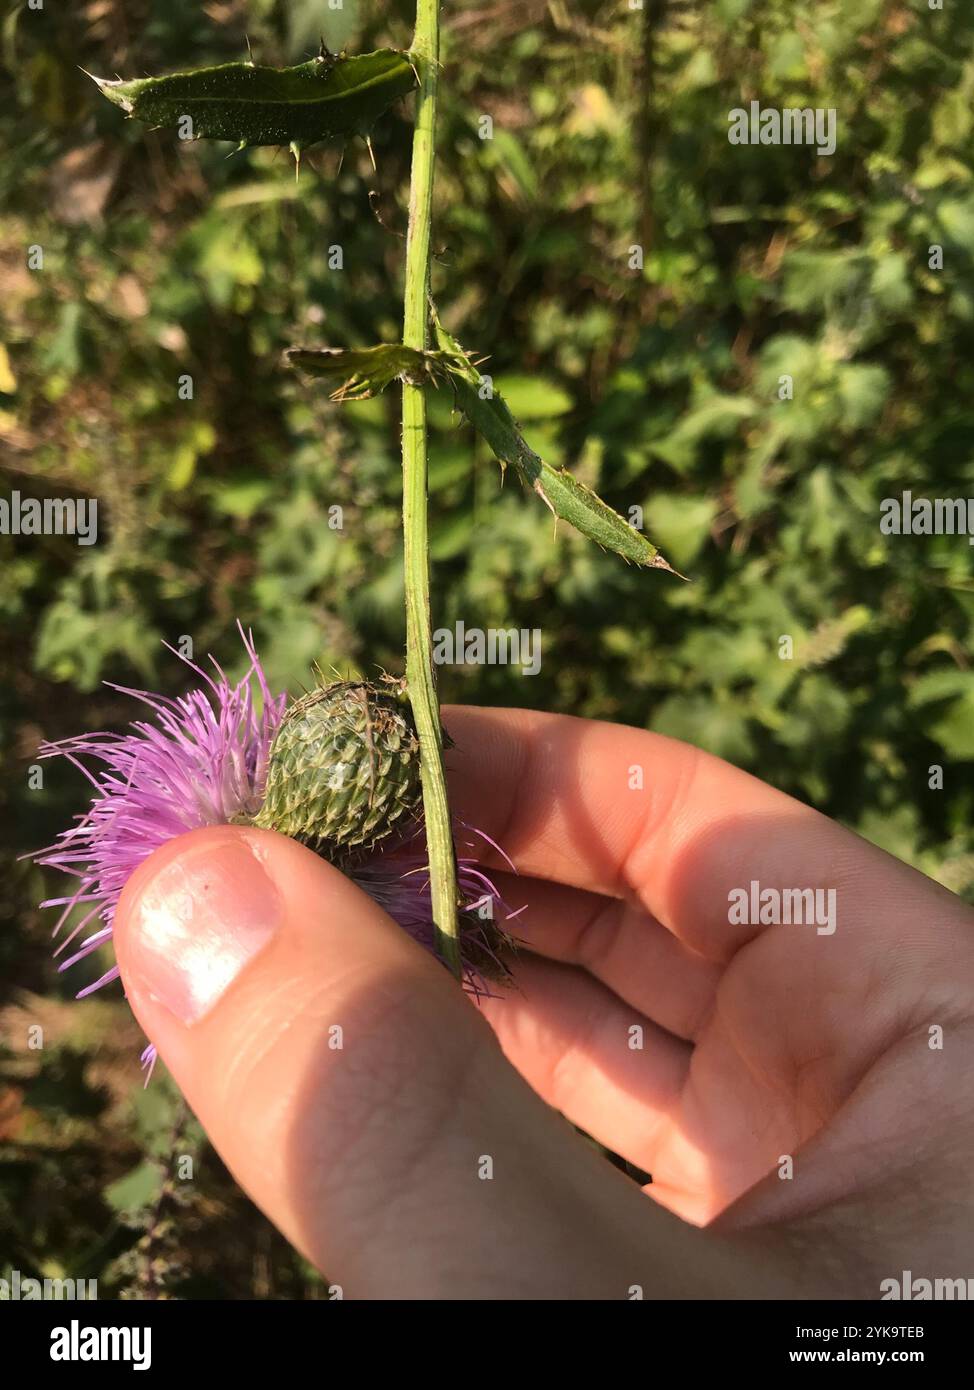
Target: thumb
353	1091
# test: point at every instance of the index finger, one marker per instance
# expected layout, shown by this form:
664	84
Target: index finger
631	814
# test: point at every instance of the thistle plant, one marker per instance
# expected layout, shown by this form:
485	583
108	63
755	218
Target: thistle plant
352	769
229	753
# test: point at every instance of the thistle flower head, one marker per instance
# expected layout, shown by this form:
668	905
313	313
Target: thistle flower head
202	759
344	768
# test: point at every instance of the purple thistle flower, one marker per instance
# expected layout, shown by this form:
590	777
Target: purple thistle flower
397	878
202	760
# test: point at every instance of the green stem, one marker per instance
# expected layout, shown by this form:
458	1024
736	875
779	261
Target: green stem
419	637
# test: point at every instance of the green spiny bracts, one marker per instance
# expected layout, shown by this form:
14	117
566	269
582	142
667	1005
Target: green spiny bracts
344	768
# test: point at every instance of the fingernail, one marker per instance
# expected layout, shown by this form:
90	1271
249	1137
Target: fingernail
198	924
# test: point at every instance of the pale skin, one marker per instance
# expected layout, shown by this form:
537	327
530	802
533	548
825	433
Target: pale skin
802	1100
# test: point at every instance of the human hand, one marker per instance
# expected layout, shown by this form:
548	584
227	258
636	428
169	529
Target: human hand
242	952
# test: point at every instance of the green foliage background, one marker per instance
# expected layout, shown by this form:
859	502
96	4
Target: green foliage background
659	387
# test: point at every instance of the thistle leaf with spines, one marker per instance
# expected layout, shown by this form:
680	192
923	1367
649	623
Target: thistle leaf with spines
562	493
364	372
325	98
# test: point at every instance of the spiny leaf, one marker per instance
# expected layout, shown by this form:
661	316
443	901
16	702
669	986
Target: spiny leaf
319	100
364	372
560	490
